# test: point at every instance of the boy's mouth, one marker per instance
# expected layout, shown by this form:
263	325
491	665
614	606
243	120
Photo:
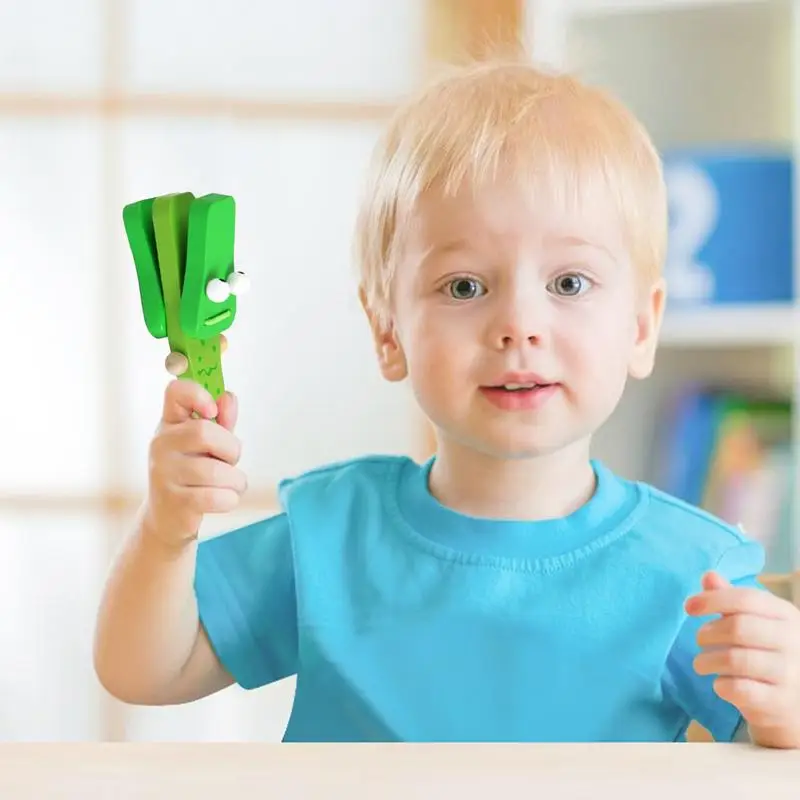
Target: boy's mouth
519	387
520	382
518	395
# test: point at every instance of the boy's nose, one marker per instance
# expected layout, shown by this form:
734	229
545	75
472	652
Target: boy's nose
519	323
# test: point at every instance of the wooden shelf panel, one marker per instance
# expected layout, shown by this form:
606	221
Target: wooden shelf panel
188	105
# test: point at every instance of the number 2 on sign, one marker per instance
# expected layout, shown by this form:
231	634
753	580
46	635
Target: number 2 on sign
694	211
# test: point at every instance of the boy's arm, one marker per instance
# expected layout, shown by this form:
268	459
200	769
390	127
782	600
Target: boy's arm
170	599
178	623
150	648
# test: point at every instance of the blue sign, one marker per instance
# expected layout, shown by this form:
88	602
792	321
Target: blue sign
731	221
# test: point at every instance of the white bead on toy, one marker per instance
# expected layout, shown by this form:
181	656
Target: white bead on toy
176	364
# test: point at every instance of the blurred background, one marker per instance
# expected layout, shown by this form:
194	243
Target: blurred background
103	102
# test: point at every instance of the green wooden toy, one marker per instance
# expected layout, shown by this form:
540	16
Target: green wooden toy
182	248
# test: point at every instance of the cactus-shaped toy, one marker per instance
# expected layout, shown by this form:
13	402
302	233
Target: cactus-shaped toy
182	249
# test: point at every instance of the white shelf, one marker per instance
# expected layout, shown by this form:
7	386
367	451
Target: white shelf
732	326
599	7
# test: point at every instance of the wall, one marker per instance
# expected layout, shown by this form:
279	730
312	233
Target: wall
105	103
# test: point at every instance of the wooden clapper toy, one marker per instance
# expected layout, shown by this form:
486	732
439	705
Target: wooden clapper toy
182	249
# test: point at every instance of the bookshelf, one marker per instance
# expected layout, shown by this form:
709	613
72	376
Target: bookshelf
727	74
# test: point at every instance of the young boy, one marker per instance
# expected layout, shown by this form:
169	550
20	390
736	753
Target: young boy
511	588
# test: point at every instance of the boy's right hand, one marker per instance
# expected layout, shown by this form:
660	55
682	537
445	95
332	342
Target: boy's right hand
193	462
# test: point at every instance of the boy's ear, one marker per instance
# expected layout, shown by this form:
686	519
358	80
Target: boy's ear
648	328
391	358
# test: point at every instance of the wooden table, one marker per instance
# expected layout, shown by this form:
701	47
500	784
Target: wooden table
391	772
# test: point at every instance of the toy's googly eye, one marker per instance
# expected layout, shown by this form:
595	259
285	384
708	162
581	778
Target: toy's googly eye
217	291
239	283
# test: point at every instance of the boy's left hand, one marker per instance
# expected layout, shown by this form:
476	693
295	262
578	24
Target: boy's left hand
754	648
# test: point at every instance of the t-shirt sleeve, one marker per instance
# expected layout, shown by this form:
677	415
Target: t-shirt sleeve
695	693
245	589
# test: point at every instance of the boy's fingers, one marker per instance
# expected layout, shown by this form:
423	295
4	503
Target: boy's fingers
202	437
767	666
713	580
184	397
737	600
228	411
743	630
200	471
751	697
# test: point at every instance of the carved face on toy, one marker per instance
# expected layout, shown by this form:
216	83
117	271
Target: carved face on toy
212	312
217	308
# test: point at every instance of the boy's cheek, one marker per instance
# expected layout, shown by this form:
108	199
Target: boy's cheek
431	336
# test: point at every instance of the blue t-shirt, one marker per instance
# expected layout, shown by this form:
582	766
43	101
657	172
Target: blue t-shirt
406	621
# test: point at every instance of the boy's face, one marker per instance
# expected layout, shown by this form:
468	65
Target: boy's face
499	289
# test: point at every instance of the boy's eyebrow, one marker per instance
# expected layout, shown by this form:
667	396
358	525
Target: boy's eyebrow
444	248
578	241
450	246
462	244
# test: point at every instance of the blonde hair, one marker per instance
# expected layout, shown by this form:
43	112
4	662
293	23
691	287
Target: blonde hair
546	130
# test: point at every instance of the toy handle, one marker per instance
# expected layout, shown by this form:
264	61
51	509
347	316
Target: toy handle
202	363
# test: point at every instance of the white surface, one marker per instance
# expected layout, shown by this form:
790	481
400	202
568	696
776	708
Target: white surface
232	715
51	571
48	46
546	23
275	48
51	276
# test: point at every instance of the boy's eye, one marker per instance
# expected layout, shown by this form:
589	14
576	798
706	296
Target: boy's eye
465	288
570	285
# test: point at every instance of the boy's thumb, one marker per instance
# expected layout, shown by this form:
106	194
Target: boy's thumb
227	410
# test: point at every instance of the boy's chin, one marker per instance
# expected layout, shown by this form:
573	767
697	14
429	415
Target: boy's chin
518	448
524	452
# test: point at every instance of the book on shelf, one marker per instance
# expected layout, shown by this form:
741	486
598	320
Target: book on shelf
730	453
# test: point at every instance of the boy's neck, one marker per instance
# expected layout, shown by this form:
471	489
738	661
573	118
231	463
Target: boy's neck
544	487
